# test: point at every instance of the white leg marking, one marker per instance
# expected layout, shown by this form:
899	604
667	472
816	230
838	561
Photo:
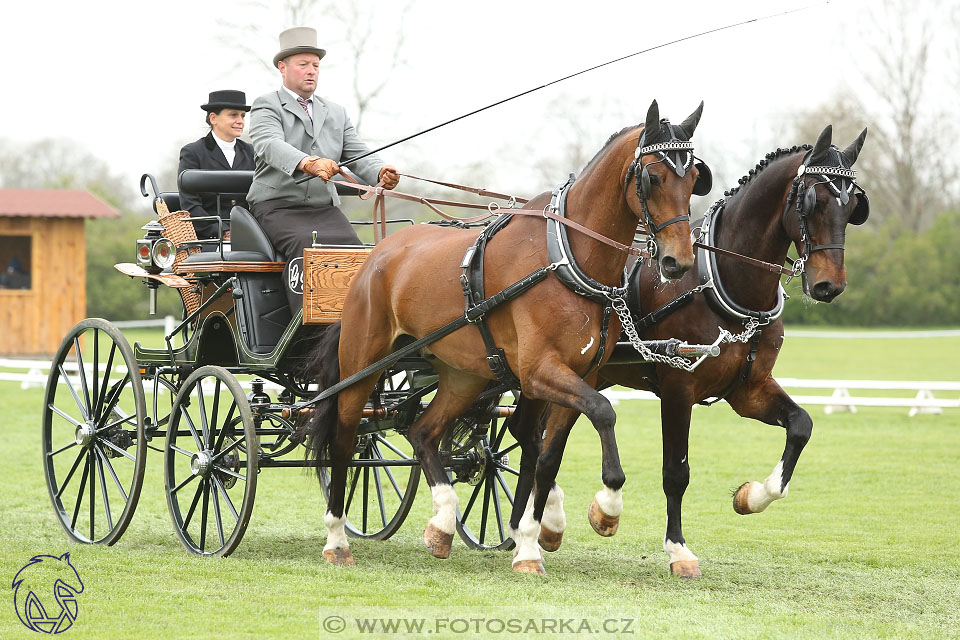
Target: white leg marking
610	501
526	536
336	532
445	508
554	518
589	344
760	496
677	552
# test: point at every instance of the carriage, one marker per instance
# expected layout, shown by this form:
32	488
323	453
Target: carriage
221	399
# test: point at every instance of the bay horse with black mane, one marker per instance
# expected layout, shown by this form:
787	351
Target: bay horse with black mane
545	341
801	196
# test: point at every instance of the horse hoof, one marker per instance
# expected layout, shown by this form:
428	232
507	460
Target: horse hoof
740	503
549	540
341	557
437	541
603	524
685	568
529	566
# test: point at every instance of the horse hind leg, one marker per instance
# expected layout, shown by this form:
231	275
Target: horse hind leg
754	497
455	393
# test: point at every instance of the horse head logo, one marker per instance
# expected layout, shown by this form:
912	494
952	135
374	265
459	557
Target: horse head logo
33	586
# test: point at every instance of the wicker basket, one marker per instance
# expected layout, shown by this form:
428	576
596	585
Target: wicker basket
180	231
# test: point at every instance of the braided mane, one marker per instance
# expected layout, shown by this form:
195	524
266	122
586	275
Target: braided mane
770	157
609	140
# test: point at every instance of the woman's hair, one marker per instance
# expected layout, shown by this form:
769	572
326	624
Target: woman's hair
206	117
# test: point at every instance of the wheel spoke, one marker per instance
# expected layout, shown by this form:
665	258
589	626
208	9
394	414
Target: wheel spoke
485	510
103	490
192	427
226	498
126	419
114	397
504	452
73	469
72	421
96	374
353	486
73	392
224	429
510	469
113	473
496	508
83	375
212	427
83	485
216	515
193	506
499	438
230	472
366	491
117	449
203	514
93	491
189	479
396	487
204	423
387	444
233	445
106	379
63	448
473	498
506	490
189	454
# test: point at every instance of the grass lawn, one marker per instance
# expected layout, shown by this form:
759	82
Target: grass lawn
867	545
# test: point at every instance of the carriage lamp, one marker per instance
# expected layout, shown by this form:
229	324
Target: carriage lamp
154	254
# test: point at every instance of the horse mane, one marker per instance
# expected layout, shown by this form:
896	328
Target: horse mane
767	160
607	143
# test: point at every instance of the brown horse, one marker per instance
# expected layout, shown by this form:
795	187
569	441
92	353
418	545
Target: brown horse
550	336
800	196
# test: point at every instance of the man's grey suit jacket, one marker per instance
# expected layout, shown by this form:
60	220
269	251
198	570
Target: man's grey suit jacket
283	135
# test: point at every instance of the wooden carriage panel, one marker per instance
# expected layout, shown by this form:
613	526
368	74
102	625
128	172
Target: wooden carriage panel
327	274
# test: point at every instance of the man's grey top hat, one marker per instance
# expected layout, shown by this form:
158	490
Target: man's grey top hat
298	40
226	99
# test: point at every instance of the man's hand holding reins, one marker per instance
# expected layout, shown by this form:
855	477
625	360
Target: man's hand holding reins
323	168
389	176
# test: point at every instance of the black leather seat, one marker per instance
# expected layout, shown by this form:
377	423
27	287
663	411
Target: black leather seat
171	199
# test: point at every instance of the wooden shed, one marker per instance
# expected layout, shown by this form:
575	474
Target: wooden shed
43	266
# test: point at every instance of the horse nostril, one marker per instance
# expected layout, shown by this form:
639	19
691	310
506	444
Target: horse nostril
825	291
668	265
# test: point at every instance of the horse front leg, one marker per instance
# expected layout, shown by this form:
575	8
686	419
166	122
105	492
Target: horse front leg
770	403
571	396
675	410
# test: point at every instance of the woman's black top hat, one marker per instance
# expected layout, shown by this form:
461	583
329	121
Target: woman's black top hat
226	99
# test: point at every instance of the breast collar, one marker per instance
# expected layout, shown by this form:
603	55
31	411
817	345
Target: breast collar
717	297
561	255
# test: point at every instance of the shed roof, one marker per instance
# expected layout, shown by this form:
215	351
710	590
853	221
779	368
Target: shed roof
53	203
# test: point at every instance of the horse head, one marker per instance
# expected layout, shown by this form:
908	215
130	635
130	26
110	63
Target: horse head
666	174
41	582
825	198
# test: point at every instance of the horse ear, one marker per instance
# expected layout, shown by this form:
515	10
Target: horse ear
823	144
690	124
850	153
651	129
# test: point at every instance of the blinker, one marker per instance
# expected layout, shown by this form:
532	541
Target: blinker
809	200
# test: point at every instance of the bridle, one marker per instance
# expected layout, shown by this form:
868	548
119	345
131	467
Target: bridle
678	156
806	203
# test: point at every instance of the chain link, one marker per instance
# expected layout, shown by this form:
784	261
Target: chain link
677	362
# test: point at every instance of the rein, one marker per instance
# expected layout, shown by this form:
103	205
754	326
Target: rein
493	209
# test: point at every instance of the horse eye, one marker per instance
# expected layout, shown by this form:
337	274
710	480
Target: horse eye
655	181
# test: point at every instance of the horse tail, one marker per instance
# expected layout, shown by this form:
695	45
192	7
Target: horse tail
324	366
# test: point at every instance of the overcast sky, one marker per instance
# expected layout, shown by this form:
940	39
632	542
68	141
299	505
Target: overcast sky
125	78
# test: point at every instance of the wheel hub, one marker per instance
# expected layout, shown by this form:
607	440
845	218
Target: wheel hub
85	434
201	463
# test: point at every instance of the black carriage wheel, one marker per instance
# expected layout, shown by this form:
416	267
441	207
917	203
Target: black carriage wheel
93	444
209	479
378	495
485	478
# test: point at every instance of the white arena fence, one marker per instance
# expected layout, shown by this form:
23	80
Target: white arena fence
33	373
924	400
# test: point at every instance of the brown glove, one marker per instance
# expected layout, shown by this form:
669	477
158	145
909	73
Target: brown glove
323	168
389	176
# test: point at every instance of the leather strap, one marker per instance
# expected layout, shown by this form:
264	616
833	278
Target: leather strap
769	266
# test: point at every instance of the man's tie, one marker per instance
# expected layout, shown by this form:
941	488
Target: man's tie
304	103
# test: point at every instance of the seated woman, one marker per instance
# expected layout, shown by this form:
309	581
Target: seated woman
220	149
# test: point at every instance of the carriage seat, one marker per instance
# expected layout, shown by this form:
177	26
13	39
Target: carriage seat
171	199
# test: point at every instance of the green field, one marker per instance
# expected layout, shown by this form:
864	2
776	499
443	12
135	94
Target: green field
867	545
